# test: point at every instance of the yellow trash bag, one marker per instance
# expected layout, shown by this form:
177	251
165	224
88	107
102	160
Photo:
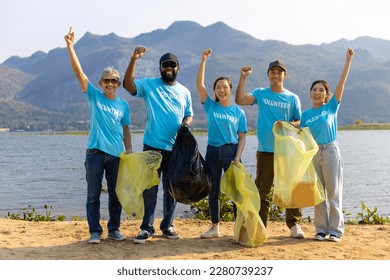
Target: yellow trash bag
137	172
239	187
296	184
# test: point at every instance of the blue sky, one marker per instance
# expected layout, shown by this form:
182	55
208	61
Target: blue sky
29	26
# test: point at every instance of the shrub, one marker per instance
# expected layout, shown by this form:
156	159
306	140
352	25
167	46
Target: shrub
30	214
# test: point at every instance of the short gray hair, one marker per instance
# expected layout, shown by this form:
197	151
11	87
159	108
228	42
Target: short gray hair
109	70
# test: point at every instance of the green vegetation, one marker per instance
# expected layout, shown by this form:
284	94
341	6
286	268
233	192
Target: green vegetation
369	217
201	210
65	133
366	127
30	214
360	125
77	218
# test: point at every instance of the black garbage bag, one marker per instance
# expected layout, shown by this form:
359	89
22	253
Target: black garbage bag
187	173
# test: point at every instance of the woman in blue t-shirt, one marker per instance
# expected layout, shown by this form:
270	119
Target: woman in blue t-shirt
322	121
108	136
226	124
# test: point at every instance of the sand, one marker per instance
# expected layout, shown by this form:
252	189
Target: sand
23	240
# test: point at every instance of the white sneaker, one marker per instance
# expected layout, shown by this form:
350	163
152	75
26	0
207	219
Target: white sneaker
212	232
334	238
297	232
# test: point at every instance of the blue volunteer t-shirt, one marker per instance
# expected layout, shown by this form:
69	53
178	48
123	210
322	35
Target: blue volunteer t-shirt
273	107
322	121
166	106
224	123
107	117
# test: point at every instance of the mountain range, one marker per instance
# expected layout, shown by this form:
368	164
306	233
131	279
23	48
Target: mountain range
41	92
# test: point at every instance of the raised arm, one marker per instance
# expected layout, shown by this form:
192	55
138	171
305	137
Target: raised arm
128	80
344	75
74	61
200	77
243	98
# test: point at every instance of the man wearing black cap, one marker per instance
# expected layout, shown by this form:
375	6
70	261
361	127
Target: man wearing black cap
168	106
275	103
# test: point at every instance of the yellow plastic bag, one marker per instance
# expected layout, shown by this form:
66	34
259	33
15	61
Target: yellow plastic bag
137	172
238	185
296	184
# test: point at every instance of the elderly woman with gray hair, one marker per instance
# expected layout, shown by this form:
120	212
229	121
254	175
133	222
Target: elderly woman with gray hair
109	131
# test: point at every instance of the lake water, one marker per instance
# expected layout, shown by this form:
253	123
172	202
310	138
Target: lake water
40	169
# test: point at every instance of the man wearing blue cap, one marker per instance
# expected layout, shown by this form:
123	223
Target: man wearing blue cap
168	106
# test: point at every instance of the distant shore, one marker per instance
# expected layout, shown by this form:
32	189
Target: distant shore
358	126
366	126
374	126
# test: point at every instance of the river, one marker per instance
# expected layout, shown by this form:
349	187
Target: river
40	169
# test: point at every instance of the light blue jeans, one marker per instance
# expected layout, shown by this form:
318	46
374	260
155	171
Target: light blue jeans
328	215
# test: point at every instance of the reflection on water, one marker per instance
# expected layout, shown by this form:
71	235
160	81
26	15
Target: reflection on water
49	169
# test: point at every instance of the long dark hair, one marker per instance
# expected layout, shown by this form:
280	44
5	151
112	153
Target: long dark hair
221	79
326	86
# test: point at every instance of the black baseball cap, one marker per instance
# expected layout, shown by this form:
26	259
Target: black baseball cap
169	57
277	63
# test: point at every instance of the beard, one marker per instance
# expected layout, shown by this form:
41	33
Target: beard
168	78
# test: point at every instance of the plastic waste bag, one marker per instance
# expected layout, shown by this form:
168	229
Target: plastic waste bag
137	172
187	173
296	184
238	185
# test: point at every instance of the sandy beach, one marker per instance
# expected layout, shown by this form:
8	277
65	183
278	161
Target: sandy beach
22	240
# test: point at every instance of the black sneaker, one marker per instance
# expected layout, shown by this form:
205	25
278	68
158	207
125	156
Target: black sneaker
171	233
320	236
142	237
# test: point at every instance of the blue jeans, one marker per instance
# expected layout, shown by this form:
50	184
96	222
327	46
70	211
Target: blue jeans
328	214
96	163
218	159
150	197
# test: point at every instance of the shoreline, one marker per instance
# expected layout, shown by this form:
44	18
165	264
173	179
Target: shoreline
202	131
23	240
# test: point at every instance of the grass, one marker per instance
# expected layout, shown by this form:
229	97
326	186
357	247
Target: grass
31	214
365	217
358	126
378	126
